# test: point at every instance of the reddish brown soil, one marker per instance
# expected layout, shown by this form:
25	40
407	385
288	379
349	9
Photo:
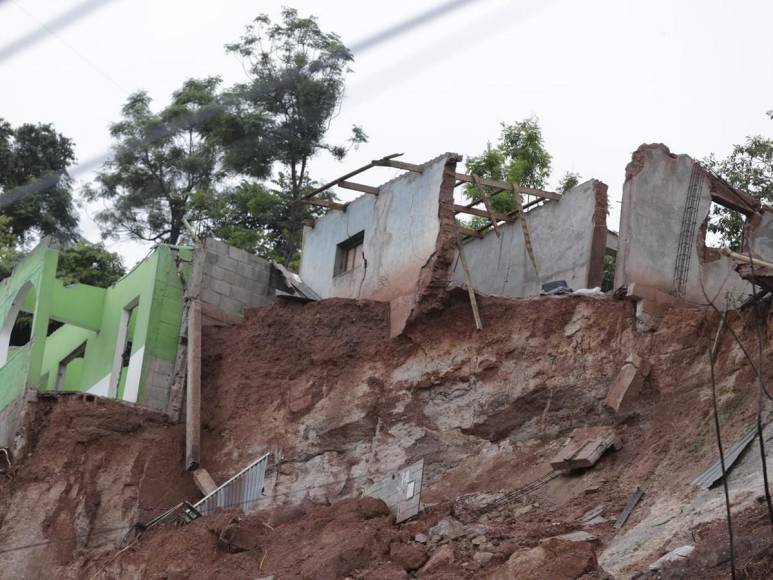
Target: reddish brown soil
283	380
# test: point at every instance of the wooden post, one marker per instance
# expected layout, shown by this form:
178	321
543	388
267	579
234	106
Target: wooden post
470	287
193	392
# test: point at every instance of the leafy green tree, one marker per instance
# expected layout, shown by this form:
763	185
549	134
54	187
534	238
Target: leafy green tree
519	156
88	263
749	167
568	181
160	162
37	154
295	87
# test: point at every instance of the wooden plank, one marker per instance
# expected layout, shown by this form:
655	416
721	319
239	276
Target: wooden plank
324	203
633	499
505	186
359	187
399	165
469	232
470	287
193	392
204	481
503	217
351	174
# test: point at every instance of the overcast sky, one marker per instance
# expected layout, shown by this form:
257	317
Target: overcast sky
603	76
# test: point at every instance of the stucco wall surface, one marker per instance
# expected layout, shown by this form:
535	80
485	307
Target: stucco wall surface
656	214
401	227
563	234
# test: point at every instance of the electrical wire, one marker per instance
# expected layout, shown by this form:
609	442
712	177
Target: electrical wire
718	434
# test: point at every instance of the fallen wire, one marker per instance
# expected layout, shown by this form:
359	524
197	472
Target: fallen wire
712	354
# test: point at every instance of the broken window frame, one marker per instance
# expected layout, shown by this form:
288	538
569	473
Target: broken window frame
350	254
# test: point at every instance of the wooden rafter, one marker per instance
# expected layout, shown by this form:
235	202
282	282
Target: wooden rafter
344	178
325	203
502	217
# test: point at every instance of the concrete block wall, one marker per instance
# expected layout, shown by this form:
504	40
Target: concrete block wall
232	279
158	378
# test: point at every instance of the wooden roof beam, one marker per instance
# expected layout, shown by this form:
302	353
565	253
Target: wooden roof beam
338	181
325	203
358	187
502	217
503	185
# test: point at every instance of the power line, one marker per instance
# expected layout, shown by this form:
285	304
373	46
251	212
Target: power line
77	52
62	21
44	182
408	25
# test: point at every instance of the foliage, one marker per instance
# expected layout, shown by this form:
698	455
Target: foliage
608	278
519	156
87	263
568	181
27	154
160	162
296	83
749	167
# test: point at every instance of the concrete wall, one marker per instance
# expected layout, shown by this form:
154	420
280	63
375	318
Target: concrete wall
569	238
230	278
666	200
401	228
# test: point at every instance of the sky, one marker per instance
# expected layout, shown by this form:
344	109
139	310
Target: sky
602	76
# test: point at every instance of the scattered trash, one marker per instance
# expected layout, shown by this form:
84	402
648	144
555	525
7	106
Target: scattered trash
557	287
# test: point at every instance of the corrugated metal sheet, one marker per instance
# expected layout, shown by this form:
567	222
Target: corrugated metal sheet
243	490
714	473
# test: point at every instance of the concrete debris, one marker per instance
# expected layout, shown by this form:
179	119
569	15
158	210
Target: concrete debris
204	481
446	529
421	538
677	555
482	558
584	448
592	514
627	383
579	536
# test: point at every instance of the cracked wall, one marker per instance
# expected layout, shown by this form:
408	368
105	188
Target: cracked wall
403	242
666	203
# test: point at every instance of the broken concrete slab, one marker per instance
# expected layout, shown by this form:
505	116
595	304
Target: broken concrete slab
204	481
628	382
584	448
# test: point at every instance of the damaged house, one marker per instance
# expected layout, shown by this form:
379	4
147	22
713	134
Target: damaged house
442	391
401	241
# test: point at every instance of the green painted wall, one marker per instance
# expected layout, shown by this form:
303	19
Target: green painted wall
93	315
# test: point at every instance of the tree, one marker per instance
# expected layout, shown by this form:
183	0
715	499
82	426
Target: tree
160	162
296	83
519	156
568	181
749	167
88	263
37	153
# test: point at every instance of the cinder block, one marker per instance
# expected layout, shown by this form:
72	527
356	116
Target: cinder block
232	278
210	257
216	272
210	296
216	246
227	263
242	295
238	254
220	287
231	305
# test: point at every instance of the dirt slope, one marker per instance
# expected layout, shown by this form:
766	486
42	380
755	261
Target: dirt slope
340	405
